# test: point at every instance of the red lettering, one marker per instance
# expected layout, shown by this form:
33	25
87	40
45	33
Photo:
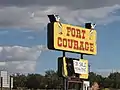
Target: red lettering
86	46
83	36
64	42
70	43
75	44
91	47
73	32
81	45
68	31
78	33
59	41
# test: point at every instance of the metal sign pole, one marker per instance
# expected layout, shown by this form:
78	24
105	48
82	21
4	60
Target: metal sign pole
81	56
80	85
64	79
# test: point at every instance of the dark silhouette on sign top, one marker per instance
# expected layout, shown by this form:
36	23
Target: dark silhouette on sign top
56	18
91	27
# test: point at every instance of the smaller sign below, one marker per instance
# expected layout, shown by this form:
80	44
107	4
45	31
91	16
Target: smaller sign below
73	68
80	67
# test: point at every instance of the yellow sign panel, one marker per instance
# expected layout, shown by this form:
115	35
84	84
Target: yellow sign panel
84	76
72	38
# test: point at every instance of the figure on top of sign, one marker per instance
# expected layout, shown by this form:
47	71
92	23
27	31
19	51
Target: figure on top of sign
56	18
59	23
91	27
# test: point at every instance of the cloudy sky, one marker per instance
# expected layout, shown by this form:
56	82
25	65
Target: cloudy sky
23	37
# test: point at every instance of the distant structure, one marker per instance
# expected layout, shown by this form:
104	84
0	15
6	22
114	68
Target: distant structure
6	79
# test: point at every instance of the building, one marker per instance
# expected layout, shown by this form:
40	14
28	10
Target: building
5	79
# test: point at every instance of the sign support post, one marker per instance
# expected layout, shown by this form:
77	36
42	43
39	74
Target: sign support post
81	56
64	79
80	84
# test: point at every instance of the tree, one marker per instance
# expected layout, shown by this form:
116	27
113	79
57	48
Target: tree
93	77
34	81
19	80
114	77
53	81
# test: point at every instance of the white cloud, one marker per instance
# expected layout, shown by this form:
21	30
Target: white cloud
16	17
74	4
99	12
101	16
3	32
30	37
19	58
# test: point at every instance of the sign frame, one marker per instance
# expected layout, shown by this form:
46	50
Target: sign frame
51	43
